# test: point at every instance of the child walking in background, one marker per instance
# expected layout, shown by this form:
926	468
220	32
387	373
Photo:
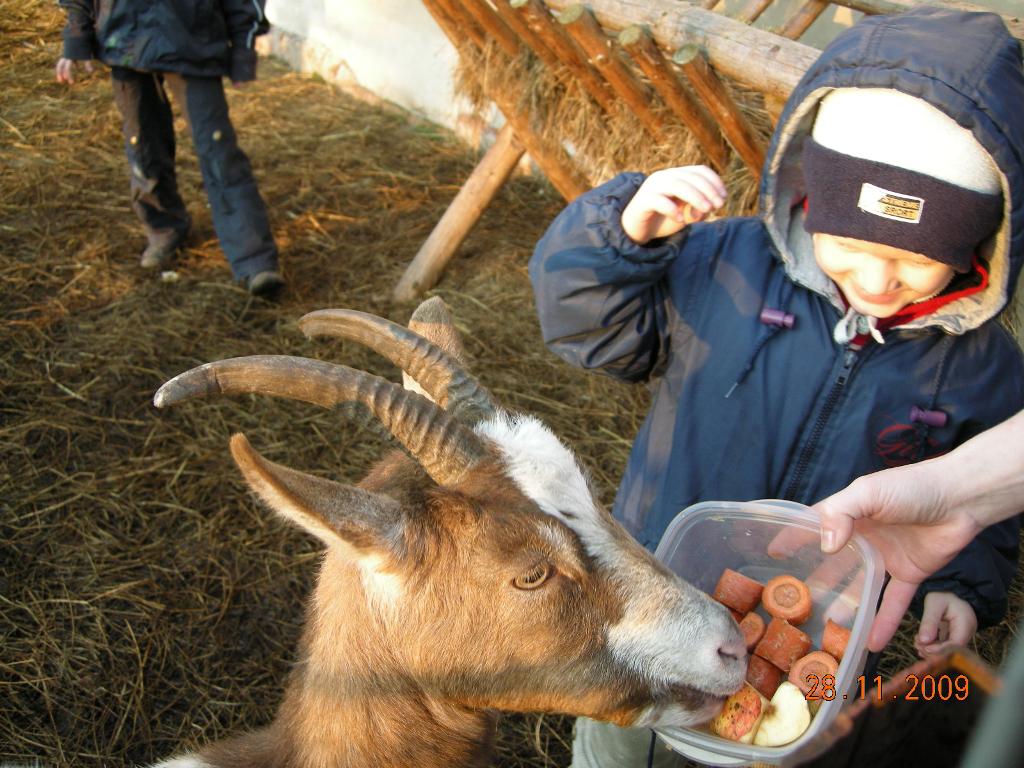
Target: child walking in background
188	47
848	328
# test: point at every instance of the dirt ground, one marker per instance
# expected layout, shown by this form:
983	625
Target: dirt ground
147	604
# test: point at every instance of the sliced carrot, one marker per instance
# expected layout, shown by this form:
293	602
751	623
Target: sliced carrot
737	591
807	672
783	644
786	597
764	676
752	627
834	639
736	615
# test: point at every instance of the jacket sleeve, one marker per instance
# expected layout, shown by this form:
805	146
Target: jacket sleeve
981	574
245	21
80	30
601	298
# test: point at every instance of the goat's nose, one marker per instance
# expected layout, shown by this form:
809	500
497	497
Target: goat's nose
732	651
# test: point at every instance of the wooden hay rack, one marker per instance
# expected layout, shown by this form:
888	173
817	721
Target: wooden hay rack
670	64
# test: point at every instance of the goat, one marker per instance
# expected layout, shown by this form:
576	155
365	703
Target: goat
482	576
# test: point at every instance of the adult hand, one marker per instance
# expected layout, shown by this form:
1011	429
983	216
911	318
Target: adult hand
915	525
65	70
671	199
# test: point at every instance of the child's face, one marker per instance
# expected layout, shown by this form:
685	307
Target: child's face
878	280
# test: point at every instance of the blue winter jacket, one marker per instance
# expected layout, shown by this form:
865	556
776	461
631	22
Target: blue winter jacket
199	38
743	410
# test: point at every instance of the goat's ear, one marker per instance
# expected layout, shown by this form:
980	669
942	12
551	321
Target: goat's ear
334	512
434	322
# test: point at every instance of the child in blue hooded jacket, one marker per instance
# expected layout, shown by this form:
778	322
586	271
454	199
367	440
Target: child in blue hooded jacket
848	328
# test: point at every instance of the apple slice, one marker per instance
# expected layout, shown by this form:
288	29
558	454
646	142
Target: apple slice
740	715
785	719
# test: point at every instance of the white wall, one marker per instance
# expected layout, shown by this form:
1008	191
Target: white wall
391	48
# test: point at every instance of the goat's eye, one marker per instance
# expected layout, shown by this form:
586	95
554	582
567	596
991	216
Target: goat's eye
534	577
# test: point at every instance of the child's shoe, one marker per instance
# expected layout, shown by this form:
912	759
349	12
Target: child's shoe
162	249
266	285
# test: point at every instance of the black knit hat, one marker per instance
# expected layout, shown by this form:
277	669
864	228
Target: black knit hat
889	168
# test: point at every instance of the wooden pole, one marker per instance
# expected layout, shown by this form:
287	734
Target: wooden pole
494	25
460	28
720	104
540	21
444	21
552	159
528	36
803	18
460	217
588	34
752	11
637	41
753	57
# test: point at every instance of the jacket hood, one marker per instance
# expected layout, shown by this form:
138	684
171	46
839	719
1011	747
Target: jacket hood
980	85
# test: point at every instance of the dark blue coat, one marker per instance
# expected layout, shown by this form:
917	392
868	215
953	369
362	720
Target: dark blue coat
201	38
742	410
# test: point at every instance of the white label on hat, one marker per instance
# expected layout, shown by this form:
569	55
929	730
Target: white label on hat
890	205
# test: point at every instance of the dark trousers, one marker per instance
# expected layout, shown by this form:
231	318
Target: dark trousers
239	213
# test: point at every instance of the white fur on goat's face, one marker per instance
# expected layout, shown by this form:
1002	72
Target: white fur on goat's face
669	634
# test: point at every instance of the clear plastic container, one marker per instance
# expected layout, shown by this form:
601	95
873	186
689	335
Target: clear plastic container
763	539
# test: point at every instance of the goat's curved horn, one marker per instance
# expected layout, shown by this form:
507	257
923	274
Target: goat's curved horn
445	448
440	375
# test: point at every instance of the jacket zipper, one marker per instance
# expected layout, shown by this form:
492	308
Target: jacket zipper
849	358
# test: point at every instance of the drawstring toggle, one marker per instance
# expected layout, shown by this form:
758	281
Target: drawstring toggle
777	317
930	418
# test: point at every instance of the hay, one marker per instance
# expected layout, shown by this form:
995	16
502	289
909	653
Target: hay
603	145
147	604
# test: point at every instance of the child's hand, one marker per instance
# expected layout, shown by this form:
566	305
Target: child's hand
946	621
671	199
65	70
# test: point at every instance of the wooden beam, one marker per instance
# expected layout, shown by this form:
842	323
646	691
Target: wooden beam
753	57
591	38
494	25
723	108
806	15
458	220
539	19
637	41
528	36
